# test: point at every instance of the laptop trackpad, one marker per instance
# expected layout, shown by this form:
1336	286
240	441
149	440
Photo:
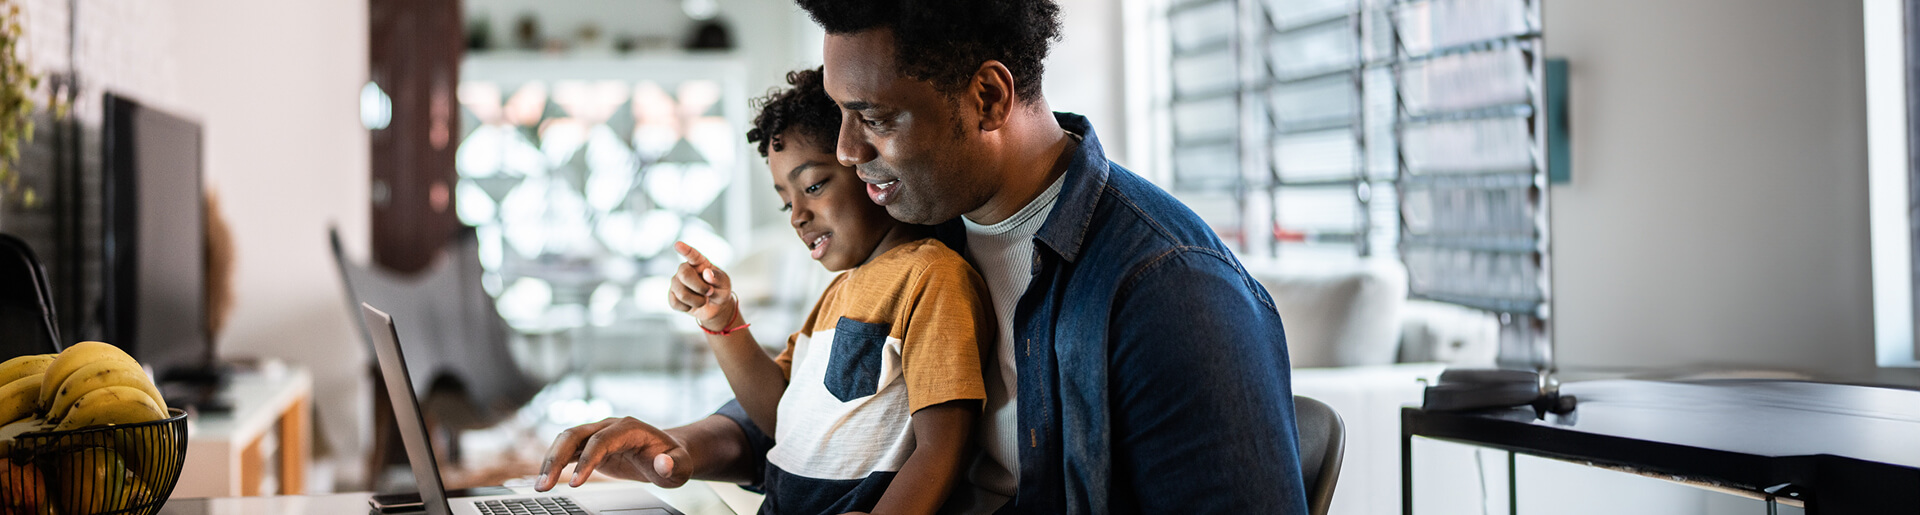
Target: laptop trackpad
641	511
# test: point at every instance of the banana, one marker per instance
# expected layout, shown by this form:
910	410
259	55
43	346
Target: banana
111	405
97	375
71	360
20	399
16	368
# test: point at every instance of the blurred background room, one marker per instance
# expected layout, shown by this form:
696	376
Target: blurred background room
1597	188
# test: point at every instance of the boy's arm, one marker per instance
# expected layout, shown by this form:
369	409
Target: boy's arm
942	442
757	381
705	291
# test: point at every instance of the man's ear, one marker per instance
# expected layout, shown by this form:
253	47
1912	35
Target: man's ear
992	86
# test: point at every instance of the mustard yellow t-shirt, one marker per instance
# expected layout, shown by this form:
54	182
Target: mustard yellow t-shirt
887	338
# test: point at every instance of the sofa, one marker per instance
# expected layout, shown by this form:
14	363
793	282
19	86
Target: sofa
1358	344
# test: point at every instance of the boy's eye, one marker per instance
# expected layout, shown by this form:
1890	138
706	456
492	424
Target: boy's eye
815	188
786	207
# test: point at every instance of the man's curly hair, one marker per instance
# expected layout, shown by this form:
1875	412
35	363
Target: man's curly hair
944	41
804	111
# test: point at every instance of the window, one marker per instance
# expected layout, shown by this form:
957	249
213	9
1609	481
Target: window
1344	130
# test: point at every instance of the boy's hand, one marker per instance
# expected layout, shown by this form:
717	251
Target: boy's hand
702	290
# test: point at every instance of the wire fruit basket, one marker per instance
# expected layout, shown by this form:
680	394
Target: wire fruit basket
127	469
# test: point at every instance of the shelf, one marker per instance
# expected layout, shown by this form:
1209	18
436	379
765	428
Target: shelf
1533	308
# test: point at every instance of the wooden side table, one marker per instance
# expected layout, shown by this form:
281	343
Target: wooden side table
262	447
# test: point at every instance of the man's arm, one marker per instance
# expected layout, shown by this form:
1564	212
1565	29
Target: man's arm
722	447
1202	402
725	450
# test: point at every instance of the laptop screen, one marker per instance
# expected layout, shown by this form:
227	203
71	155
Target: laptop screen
406	409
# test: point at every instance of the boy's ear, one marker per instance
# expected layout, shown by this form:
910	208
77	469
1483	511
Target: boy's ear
992	87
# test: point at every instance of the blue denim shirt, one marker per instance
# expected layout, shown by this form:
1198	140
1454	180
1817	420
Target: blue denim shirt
1153	370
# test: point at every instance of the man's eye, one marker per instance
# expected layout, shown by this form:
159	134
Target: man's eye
870	123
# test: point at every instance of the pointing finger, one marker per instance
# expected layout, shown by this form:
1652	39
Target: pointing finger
693	256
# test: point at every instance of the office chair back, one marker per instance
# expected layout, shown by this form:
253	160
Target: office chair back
1323	442
26	303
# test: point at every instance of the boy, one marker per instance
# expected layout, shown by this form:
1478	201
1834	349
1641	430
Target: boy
873	401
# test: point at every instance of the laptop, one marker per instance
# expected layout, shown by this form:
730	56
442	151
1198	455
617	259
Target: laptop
426	470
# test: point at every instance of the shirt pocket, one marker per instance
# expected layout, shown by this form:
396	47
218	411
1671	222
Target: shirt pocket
854	369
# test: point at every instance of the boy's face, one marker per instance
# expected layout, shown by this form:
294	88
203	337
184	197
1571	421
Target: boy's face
827	204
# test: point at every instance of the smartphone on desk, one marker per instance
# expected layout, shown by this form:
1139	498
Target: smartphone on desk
410	501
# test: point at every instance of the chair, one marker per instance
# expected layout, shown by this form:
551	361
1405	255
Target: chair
26	303
1322	445
456	343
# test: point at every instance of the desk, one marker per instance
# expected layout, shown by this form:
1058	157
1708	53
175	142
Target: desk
1837	449
696	498
261	447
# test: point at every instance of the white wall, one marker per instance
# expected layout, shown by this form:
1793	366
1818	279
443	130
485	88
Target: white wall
1717	214
276	86
1085	73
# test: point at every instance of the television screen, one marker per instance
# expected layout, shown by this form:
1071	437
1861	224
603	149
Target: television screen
154	271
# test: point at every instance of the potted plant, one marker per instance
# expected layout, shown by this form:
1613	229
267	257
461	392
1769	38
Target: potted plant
17	86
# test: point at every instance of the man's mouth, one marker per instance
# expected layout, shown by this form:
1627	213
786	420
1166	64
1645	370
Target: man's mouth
882	192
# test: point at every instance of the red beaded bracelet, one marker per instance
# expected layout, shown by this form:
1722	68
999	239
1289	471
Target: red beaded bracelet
724	332
736	315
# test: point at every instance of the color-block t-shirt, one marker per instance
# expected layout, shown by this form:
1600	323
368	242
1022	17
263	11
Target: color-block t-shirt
887	338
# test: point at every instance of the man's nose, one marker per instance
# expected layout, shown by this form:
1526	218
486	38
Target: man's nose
853	150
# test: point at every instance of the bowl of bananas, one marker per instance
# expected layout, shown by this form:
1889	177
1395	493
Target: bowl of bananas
86	433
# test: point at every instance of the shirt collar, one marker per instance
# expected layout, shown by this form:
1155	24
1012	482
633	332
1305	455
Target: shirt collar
1082	183
1084	180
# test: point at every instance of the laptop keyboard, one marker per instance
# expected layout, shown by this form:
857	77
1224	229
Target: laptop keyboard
530	506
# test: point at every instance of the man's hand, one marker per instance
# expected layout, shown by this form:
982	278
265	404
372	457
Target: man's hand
700	289
625	448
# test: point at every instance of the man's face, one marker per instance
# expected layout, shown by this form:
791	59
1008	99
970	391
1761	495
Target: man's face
916	148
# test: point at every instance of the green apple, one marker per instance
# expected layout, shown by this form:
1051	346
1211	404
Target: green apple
90	481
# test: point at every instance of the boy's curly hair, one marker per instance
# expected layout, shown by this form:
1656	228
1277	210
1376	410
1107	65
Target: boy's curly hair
944	41
804	111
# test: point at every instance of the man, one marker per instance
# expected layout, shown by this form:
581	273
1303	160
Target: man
1139	368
